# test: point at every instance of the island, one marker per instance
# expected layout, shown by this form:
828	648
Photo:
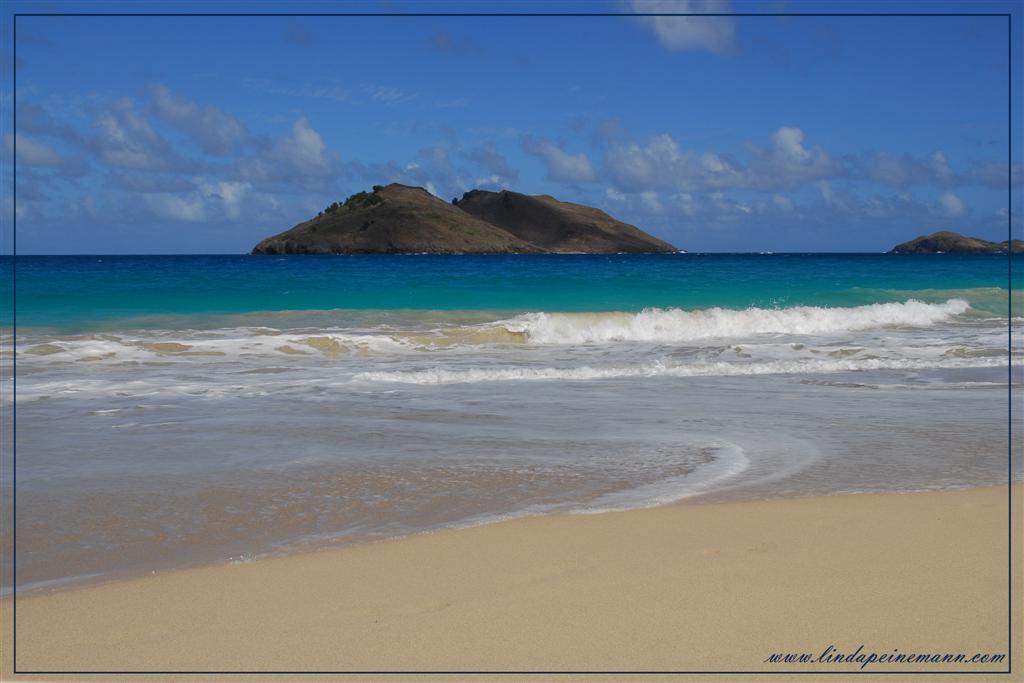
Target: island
948	242
400	219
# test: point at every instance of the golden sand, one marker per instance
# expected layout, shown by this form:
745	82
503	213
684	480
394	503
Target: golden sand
677	588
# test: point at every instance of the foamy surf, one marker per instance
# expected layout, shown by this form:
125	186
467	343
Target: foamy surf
663	369
679	325
725	462
652	325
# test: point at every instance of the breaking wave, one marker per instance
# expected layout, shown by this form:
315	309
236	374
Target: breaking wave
675	325
652	325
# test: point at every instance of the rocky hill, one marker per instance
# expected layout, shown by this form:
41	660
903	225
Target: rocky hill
954	243
559	226
397	219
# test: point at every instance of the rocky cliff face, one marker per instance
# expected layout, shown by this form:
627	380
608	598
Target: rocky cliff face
954	243
398	219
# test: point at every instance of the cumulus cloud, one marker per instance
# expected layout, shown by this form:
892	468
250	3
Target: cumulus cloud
704	208
561	165
951	204
144	175
661	163
787	163
204	200
303	150
784	164
296	157
214	130
230	195
124	138
711	34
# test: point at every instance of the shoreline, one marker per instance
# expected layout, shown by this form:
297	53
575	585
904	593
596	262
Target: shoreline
309	547
697	587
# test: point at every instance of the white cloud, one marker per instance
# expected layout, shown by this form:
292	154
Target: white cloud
614	195
215	131
787	164
783	165
231	196
304	149
300	154
124	138
176	208
661	163
712	34
561	165
951	204
208	200
494	181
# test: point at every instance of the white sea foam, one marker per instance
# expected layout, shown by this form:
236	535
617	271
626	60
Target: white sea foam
730	461
653	325
675	325
161	346
663	369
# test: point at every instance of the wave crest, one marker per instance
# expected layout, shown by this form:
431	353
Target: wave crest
675	324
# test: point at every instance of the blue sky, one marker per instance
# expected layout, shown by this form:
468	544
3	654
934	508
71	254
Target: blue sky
205	134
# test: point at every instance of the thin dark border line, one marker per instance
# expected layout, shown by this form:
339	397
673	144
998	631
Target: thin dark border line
1009	343
506	14
14	348
499	673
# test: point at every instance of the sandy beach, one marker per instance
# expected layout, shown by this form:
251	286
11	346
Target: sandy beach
679	588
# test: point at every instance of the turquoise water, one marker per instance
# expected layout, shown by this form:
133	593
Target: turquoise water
91	292
174	411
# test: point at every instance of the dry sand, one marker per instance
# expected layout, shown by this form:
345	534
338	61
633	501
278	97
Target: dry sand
678	588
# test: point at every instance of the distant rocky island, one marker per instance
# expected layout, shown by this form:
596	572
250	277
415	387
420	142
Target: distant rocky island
948	242
399	219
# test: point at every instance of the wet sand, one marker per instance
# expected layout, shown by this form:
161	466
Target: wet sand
695	587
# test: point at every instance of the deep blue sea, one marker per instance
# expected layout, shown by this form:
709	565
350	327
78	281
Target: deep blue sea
179	410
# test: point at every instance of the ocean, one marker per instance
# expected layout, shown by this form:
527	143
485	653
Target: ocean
183	410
